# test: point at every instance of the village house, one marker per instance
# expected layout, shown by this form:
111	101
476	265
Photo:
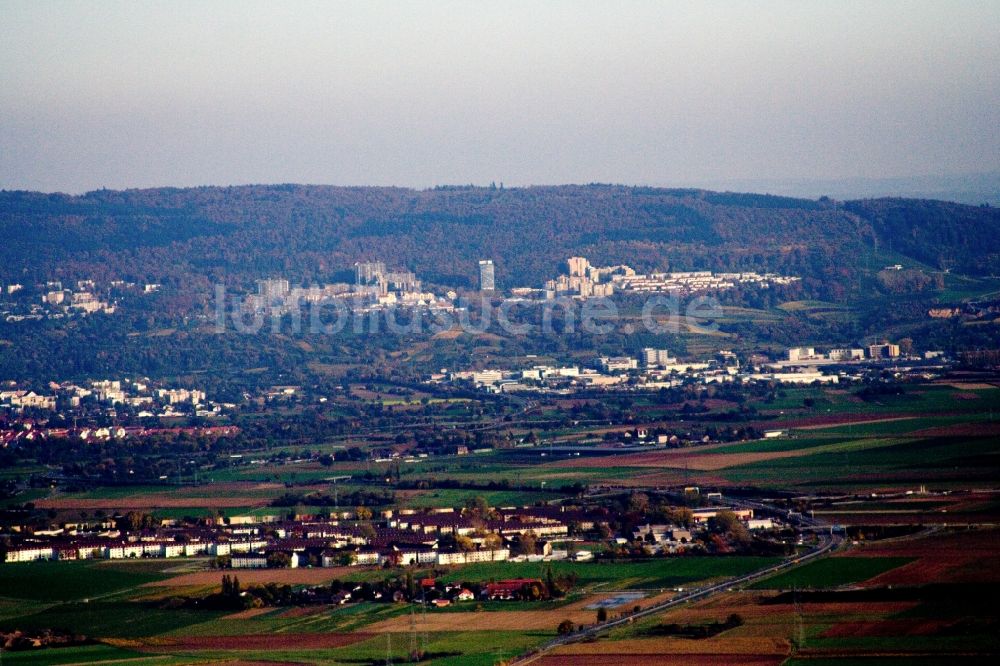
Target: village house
506	590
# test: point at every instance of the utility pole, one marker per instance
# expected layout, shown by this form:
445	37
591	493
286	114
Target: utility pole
800	636
413	635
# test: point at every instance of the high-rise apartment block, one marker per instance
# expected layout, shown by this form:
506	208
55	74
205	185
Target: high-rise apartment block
369	272
578	266
272	289
884	350
655	357
487	278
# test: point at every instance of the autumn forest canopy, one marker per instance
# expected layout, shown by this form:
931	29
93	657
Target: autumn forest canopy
200	236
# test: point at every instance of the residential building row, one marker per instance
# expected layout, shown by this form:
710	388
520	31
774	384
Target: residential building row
54	300
139	394
374	287
397	538
431	537
586	281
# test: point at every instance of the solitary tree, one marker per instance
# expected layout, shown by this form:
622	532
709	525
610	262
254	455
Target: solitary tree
367	531
527	543
278	560
638	502
492	541
477	506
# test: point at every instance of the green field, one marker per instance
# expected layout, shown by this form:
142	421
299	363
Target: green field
75	655
119	492
784	444
177	513
70	581
118	619
352	617
831	572
105	599
960	287
914	400
457	498
888	461
471	648
649	574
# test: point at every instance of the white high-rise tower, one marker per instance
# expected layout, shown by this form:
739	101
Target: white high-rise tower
487	280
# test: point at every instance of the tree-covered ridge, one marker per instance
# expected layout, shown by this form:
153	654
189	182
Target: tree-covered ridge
198	236
942	234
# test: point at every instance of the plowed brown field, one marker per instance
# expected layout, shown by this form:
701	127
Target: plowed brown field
655	659
947	557
700	459
893	627
681	646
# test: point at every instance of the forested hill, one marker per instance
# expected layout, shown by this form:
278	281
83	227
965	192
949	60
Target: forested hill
316	233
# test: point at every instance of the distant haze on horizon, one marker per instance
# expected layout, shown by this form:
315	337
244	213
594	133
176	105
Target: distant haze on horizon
145	94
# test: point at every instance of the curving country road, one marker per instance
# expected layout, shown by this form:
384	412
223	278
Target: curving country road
828	541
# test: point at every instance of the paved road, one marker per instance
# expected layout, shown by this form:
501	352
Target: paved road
827	543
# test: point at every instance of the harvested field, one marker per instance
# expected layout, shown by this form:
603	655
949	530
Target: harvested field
248	576
712	462
273	641
752	611
831	420
700	459
248	613
305	611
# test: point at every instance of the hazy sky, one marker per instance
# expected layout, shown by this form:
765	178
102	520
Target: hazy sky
137	94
